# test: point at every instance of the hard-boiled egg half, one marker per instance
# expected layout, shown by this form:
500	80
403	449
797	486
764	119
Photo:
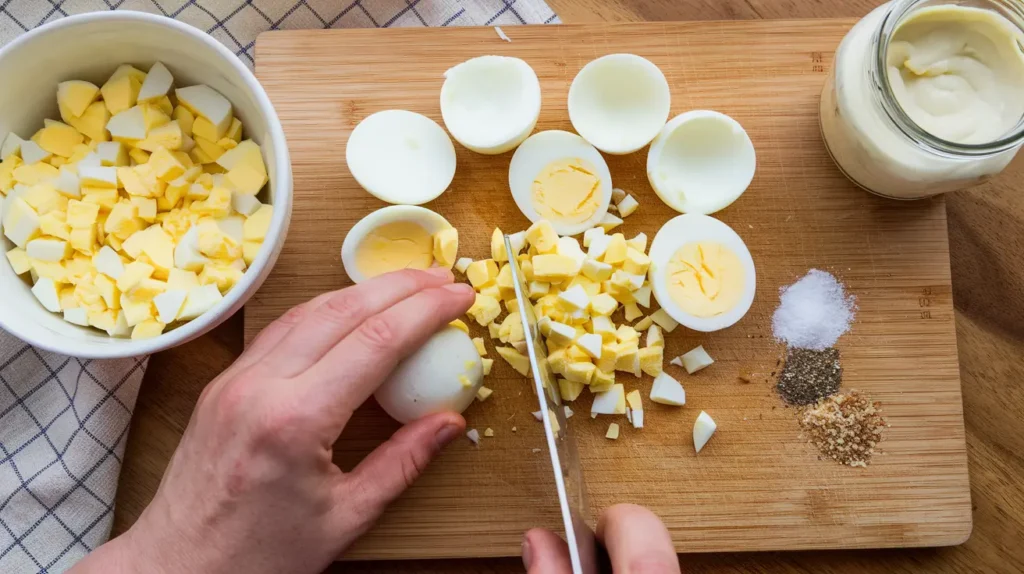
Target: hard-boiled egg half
701	272
619	102
443	375
401	157
490	104
701	162
557	176
398	237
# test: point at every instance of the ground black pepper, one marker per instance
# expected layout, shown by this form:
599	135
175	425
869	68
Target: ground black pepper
809	376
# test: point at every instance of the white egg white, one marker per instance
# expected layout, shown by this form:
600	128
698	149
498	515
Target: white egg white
427	382
539	151
685	229
701	162
619	102
422	216
401	157
490	104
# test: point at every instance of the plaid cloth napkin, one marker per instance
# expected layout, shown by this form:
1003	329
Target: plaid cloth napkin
64	421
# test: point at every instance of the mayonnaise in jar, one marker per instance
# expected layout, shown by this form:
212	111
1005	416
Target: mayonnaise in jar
925	97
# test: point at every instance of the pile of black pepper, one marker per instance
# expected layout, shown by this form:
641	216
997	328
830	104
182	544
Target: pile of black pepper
809	376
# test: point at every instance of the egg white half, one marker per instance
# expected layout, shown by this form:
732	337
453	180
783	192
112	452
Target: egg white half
421	216
701	162
401	157
684	229
427	382
490	104
619	102
540	150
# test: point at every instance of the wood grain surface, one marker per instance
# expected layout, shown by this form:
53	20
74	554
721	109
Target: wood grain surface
758	485
986	242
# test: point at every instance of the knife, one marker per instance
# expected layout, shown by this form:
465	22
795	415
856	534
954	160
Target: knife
572	497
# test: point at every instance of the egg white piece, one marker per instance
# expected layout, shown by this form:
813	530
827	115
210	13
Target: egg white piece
427	382
490	104
619	102
542	149
684	229
701	162
401	157
425	218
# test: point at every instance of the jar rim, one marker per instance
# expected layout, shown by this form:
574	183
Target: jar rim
1012	10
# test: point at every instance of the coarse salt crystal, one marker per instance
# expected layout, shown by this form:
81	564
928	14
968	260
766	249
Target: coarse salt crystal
813	312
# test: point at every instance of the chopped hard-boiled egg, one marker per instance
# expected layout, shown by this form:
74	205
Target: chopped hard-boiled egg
703	428
696	359
97	208
668	391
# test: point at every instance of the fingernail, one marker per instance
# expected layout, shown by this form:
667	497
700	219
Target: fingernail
459	288
527	553
447	434
441	272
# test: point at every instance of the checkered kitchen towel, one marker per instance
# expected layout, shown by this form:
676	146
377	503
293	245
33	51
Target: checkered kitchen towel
64	421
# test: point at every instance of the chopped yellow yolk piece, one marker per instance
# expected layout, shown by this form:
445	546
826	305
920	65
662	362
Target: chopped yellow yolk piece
394	246
705	278
567	190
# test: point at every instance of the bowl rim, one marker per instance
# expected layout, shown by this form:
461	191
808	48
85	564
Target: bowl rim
282	201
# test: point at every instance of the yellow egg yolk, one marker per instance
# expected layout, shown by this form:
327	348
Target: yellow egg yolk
705	278
394	246
567	190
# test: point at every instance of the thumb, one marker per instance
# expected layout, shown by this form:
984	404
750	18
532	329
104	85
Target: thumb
393	467
545	553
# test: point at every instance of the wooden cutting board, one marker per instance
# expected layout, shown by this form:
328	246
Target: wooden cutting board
758	485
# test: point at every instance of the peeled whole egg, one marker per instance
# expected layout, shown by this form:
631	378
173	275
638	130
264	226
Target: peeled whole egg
721	270
542	154
391	238
428	381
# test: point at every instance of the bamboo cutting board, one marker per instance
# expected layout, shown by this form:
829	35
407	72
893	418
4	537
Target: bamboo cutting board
758	485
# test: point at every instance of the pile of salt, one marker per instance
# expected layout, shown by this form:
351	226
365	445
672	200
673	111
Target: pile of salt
813	312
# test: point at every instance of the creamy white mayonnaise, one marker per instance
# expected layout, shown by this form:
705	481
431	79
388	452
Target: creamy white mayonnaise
957	73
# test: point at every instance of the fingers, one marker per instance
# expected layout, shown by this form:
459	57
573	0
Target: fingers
350	372
636	540
545	553
319	328
392	468
272	334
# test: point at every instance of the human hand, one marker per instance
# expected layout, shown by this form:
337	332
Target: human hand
252	486
636	540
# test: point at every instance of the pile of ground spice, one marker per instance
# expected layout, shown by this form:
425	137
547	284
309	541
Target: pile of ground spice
809	376
845	428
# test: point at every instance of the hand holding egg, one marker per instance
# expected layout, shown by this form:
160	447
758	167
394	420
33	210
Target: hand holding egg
262	434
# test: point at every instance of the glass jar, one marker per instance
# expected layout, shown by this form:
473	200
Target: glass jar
874	142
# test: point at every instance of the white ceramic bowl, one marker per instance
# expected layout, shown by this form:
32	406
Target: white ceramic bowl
90	47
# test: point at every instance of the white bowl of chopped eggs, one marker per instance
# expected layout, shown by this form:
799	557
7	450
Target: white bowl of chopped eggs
145	181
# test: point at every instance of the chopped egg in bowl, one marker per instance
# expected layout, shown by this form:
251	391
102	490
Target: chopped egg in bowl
557	176
398	237
490	104
89	202
701	272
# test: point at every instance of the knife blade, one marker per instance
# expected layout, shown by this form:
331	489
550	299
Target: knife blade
572	495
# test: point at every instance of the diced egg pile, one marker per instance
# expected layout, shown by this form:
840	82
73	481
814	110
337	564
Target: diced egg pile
139	210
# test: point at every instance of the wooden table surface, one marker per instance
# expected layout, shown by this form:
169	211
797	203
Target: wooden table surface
987	252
